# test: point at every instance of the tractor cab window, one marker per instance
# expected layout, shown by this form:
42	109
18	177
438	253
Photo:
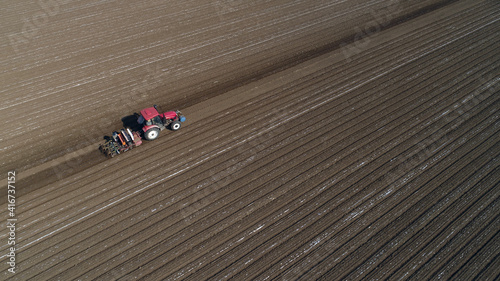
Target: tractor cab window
157	120
149	122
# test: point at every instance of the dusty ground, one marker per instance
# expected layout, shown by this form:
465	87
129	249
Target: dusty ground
325	140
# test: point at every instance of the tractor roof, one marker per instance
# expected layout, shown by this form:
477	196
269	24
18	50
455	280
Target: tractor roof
149	113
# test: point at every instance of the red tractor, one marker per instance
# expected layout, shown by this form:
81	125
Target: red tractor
153	122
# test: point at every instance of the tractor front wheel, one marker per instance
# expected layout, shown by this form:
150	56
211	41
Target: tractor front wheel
152	134
176	125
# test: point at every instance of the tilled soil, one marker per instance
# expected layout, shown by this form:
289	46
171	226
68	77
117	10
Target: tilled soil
301	158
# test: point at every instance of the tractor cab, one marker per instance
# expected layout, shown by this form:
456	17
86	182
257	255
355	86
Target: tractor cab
153	122
149	116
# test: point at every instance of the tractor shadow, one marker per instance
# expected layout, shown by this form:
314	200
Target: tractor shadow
130	121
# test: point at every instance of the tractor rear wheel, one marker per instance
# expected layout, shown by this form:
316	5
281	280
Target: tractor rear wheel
151	134
176	125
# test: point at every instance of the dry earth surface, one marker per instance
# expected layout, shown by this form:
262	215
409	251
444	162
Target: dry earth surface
325	140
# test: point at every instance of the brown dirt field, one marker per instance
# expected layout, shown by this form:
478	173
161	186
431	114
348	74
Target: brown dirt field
341	140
